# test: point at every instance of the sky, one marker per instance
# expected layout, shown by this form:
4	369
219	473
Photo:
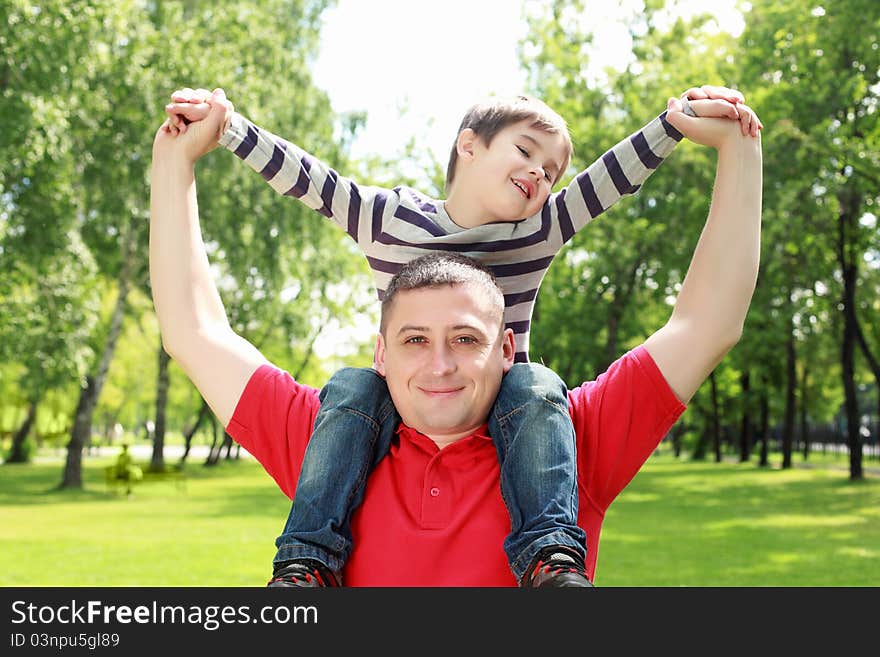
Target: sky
415	66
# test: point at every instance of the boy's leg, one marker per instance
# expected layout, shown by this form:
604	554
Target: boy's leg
535	440
353	431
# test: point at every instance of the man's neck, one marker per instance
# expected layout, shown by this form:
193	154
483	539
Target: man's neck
445	440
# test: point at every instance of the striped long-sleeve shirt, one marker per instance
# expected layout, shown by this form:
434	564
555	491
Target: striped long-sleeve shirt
394	226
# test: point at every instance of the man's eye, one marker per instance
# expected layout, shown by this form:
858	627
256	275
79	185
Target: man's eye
466	339
416	339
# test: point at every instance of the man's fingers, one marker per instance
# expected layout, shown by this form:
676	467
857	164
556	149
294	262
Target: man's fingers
754	123
745	122
182	95
716	108
695	93
169	127
183	114
731	95
714	92
188	95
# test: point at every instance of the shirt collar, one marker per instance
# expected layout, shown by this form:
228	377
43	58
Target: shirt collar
406	431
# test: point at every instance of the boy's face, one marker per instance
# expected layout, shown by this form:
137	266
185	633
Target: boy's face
516	172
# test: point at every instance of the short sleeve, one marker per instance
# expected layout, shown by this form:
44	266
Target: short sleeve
620	418
273	421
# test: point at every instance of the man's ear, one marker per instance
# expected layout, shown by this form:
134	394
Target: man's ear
508	348
379	355
465	144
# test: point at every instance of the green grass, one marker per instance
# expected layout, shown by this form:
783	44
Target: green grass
730	524
216	530
677	524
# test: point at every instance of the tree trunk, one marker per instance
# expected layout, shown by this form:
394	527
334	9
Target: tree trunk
214	452
805	429
849	266
624	289
790	388
763	461
17	453
188	435
875	369
716	424
699	453
746	435
157	461
88	398
228	444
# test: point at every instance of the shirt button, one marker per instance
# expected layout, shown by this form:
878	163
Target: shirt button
435	492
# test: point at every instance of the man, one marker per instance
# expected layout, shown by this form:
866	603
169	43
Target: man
433	513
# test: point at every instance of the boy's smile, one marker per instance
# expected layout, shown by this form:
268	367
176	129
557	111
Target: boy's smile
507	180
527	188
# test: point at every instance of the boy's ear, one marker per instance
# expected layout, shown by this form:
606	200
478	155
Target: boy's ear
465	143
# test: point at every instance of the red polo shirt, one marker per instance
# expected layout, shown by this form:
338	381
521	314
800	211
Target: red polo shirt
434	517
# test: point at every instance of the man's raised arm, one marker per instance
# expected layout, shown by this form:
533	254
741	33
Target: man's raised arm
193	323
710	311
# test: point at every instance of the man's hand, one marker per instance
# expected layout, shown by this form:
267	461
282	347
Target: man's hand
712	131
721	102
189	106
200	136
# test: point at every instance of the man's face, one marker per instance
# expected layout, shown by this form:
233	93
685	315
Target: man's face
443	357
517	170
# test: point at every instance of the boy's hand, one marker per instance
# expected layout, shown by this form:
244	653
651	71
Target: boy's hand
201	136
191	105
712	131
721	102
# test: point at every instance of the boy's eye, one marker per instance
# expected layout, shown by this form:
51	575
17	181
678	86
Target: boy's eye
547	176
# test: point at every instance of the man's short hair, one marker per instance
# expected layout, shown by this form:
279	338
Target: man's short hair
441	270
489	118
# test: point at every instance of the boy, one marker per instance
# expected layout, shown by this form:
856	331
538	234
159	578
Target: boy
506	158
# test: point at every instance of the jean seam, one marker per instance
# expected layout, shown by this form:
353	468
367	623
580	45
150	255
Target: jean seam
373	425
519	409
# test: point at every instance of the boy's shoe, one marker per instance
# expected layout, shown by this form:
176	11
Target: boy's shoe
304	573
556	567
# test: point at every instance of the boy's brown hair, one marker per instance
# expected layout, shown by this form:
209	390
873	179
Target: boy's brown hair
488	118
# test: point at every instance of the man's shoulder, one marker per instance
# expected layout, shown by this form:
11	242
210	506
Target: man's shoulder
273	390
634	372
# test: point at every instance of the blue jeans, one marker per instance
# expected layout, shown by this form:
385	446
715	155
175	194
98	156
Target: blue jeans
532	432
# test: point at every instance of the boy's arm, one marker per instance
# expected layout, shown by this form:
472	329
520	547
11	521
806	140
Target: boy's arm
709	313
192	320
288	169
622	169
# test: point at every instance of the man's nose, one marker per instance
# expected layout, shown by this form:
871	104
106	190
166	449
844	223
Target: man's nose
442	360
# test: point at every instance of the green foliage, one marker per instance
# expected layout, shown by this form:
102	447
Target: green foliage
812	74
85	84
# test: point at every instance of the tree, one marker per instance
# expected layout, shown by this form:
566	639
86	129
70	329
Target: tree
89	81
830	126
